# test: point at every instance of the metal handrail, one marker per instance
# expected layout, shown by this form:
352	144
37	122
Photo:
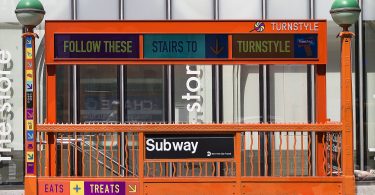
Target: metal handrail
100	152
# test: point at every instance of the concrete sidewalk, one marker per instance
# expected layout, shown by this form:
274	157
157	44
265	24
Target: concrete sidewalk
365	187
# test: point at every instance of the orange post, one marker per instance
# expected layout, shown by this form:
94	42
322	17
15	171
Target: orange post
321	117
51	118
141	158
30	112
347	112
237	158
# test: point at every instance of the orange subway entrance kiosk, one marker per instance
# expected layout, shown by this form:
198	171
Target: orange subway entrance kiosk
200	158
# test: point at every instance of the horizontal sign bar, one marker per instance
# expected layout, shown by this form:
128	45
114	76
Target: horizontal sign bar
96	46
182	146
275	46
186	42
85	186
185	46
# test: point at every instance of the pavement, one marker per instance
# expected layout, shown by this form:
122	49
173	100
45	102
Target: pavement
11	192
365	187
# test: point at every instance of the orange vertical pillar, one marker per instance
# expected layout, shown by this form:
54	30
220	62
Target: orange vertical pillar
321	117
30	113
347	112
141	158
51	118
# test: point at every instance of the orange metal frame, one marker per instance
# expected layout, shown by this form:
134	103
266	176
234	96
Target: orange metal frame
342	184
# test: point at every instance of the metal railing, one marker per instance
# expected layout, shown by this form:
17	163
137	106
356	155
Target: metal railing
261	150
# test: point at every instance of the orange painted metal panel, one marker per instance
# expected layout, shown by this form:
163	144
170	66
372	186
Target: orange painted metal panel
229	27
291	188
30	185
189	188
324	127
298	179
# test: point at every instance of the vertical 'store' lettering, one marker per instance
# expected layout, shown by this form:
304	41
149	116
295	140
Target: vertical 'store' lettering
6	107
192	85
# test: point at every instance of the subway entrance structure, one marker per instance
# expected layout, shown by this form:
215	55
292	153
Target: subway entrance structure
219	158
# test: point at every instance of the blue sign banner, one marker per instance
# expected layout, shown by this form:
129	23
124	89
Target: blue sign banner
185	46
96	46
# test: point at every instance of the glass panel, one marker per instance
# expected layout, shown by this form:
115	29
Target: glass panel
63	94
192	9
57	9
98	10
288	93
240	9
288	84
145	94
241	93
368	9
145	84
7	8
193	94
61	10
333	73
193	83
11	93
277	9
322	8
240	83
145	9
98	98
370	79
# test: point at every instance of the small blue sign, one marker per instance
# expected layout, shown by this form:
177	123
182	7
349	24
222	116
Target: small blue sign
29	86
185	46
29	41
306	46
216	46
30	135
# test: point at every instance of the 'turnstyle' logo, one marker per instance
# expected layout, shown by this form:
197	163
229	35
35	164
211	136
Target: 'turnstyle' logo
259	27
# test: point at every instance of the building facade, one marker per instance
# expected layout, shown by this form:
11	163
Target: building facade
189	93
